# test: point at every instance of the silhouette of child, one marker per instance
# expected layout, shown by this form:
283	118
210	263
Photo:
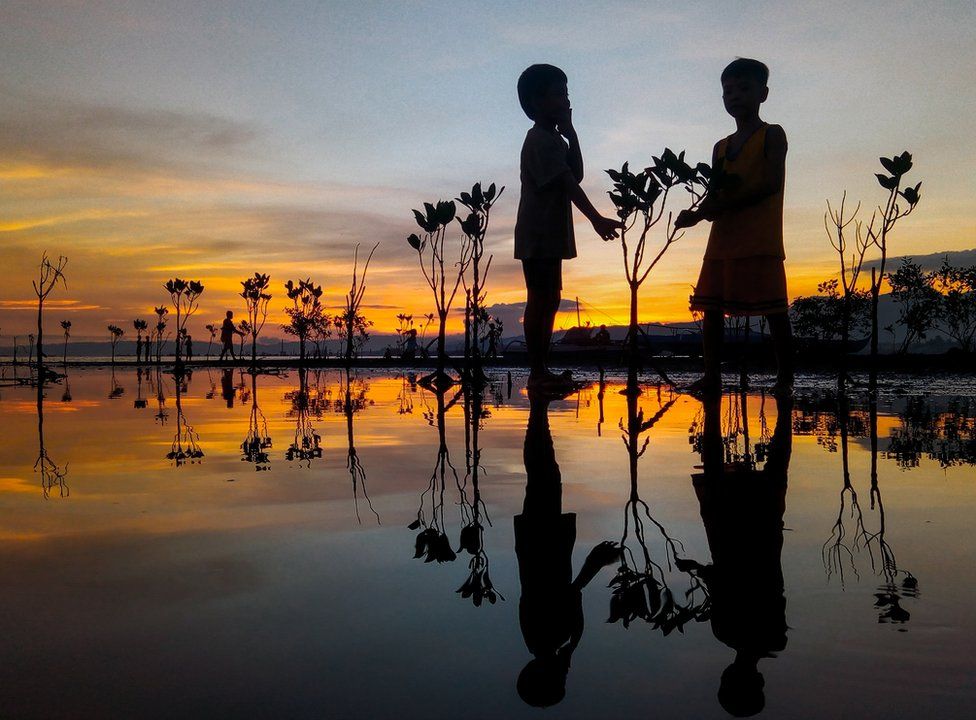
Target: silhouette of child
742	272
551	170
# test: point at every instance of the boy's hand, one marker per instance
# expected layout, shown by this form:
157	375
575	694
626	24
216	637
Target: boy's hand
606	228
564	126
686	219
606	553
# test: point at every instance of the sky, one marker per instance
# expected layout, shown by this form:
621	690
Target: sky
149	140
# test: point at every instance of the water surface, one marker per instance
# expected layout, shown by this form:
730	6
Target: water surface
245	546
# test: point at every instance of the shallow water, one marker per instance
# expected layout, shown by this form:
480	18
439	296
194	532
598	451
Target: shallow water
154	567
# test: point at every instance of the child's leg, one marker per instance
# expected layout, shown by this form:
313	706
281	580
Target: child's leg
713	333
782	335
540	315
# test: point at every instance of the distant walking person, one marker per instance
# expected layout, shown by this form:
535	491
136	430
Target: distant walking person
742	272
551	170
188	346
227	332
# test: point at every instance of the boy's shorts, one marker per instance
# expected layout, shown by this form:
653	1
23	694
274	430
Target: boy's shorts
543	275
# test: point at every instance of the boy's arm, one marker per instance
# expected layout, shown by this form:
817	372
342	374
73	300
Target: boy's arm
575	157
604	226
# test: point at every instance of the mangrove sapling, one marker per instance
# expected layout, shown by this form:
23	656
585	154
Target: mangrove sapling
878	228
641	200
431	255
306	313
66	326
185	296
244	329
50	273
213	329
256	298
116	334
475	228
852	305
352	321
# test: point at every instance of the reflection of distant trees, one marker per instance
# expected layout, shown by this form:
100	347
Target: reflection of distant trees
307	404
948	437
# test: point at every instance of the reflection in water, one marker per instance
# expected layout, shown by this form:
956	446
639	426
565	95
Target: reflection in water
307	403
474	513
947	437
140	402
53	476
551	604
432	542
742	507
185	447
116	390
920	429
640	588
351	403
257	441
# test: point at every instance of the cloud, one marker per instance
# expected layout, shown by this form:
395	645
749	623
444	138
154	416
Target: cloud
64	133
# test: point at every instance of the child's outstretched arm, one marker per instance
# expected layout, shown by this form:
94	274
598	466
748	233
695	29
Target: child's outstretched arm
605	227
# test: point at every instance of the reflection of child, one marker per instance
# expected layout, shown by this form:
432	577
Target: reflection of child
551	604
742	272
551	169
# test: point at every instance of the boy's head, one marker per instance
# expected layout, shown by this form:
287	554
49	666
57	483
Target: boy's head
230	314
744	86
542	92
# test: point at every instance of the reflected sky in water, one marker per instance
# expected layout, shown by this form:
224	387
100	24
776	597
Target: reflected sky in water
322	545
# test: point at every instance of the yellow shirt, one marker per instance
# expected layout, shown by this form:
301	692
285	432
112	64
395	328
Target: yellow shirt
756	230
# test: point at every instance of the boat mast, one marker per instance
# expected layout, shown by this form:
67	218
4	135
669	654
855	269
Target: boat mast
578	323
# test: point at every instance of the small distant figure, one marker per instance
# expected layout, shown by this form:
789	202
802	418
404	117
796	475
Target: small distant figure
410	345
227	332
602	336
188	346
742	272
551	170
494	335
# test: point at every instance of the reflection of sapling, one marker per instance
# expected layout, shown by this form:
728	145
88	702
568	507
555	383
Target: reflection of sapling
641	200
